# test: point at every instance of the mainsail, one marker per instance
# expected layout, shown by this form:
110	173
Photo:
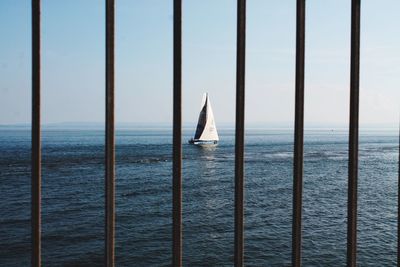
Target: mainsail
206	130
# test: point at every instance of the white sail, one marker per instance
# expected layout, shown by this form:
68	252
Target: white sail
206	129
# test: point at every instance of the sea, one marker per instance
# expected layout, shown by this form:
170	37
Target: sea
73	198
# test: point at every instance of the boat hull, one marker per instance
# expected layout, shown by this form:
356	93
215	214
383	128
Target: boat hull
203	142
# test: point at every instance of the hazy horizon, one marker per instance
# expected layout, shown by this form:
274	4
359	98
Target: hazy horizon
192	125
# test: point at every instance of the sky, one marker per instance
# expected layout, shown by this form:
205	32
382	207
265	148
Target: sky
73	51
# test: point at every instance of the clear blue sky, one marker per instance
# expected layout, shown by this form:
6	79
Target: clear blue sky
73	60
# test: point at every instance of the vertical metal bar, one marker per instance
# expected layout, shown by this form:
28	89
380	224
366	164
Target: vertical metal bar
36	138
353	134
398	205
298	134
110	139
239	132
177	139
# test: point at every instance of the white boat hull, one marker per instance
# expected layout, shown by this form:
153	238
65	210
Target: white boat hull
203	142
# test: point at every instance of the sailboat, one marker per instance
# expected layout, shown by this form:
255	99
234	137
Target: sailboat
206	132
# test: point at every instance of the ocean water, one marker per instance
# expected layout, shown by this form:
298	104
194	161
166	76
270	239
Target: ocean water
73	198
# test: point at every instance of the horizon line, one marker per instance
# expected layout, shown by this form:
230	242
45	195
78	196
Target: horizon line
273	125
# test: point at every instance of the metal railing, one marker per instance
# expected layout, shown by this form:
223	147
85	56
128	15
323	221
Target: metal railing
110	139
177	139
36	138
177	136
298	133
353	134
239	133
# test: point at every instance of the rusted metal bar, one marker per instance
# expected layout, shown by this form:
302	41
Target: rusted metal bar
36	175
177	139
110	139
239	132
298	134
353	134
